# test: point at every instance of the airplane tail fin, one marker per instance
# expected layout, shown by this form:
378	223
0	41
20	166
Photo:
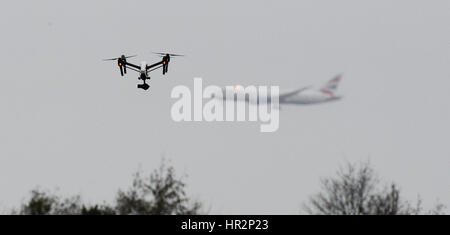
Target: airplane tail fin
333	84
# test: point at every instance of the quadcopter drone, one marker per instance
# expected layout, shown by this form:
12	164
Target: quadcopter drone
144	69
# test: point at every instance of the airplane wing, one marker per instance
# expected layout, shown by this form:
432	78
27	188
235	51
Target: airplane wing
292	93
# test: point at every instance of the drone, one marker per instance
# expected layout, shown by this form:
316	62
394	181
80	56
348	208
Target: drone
144	69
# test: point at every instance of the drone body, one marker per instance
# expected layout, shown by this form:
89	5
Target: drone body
144	69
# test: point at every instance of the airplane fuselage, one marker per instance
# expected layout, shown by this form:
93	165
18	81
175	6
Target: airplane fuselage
310	97
305	97
302	96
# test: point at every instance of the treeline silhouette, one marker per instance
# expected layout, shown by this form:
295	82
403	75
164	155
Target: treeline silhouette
355	190
162	193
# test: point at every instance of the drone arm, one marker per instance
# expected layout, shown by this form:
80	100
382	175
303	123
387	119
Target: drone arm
130	65
153	69
132	68
154	65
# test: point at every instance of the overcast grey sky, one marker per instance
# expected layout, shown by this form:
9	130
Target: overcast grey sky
69	120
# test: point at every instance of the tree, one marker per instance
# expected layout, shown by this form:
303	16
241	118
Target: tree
356	191
98	210
43	203
162	193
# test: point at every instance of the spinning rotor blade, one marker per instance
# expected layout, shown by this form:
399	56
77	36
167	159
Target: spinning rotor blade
164	54
131	56
126	57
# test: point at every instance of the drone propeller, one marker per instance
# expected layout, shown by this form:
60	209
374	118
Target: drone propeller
166	54
122	57
111	59
121	62
166	59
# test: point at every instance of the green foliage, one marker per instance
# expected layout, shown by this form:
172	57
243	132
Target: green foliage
39	204
356	191
162	193
43	203
97	210
159	194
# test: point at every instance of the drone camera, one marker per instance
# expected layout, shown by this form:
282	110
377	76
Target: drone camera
144	86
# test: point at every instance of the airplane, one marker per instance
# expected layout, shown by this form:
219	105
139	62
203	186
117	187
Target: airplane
143	69
309	95
303	96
